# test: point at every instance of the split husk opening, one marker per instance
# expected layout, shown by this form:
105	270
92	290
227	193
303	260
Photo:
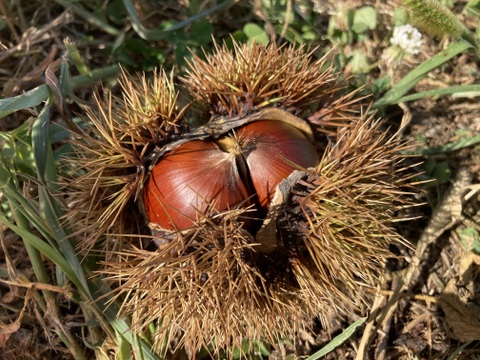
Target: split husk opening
328	231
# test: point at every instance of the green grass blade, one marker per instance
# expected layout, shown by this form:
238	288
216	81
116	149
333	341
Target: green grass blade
456	353
41	93
154	35
454	146
42	276
98	74
28	99
46	173
41	140
26	208
338	340
413	77
110	311
77	59
47	250
90	18
464	90
125	350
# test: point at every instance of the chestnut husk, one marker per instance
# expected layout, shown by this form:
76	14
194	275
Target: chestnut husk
327	232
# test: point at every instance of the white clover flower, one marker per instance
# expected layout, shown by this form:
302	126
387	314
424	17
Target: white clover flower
407	38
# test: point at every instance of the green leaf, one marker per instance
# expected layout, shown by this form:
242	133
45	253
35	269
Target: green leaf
382	84
364	19
358	62
200	34
400	17
338	340
438	170
473	8
470	238
256	33
238	36
441	173
115	11
26	100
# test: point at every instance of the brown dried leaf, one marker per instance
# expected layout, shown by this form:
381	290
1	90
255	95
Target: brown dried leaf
53	83
6	331
461	300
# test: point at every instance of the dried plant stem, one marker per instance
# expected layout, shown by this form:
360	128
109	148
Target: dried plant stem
288	12
258	11
35	285
419	297
9	20
445	216
381	350
36	35
48	302
370	325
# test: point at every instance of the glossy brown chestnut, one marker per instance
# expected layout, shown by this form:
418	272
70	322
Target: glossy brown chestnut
187	180
273	150
239	169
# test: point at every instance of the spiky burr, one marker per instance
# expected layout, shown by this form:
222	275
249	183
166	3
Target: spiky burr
324	235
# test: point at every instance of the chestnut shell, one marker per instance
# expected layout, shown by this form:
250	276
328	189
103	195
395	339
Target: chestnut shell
240	167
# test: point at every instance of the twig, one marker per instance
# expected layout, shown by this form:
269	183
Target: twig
420	297
8	19
258	10
288	12
370	325
382	347
33	35
445	216
37	285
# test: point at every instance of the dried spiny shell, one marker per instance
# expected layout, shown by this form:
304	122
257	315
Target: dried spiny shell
326	230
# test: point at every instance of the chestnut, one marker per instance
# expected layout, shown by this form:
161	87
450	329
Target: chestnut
240	168
273	150
187	180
